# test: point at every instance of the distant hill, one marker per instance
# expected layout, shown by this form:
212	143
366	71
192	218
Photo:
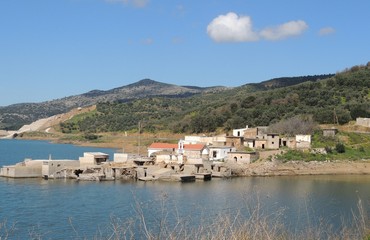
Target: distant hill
14	116
289	81
163	104
327	99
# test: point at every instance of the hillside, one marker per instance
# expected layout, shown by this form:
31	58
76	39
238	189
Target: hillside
337	99
14	116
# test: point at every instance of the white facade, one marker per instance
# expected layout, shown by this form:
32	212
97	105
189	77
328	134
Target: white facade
204	139
219	153
93	158
303	141
239	132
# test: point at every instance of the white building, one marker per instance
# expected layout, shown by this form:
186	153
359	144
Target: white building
219	153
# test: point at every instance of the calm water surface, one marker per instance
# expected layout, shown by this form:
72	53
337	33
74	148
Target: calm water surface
64	209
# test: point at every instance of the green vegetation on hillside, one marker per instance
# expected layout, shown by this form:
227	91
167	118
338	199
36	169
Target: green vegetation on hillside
338	99
344	146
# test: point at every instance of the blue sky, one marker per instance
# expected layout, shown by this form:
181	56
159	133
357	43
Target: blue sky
51	49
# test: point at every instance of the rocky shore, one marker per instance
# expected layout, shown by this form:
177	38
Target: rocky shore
277	168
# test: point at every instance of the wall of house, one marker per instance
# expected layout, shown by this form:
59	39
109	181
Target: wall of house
289	142
219	153
363	122
249	143
273	141
303	141
120	157
49	167
239	132
242	158
261	143
250	133
234	141
192	154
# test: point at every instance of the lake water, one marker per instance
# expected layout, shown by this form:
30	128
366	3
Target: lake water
70	209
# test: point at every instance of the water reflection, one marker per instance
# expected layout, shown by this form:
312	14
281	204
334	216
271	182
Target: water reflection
53	205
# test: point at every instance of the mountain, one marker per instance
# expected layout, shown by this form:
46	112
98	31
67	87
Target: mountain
338	99
14	116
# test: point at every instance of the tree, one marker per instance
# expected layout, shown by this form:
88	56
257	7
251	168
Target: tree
301	124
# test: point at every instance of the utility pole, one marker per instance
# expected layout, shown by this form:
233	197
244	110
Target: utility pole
139	138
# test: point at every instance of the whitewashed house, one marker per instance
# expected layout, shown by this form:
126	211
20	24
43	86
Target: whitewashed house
219	153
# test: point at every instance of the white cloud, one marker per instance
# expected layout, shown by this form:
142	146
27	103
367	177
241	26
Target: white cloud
231	28
289	29
136	3
326	31
234	28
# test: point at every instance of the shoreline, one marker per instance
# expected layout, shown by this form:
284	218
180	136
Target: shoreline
299	168
260	168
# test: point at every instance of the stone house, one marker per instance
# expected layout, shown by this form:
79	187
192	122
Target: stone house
242	157
273	141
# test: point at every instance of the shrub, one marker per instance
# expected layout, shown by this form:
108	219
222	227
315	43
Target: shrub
340	148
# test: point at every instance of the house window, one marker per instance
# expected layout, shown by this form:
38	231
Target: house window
214	154
272	136
272	142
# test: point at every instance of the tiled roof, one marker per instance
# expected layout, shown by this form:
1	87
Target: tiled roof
189	147
193	146
163	145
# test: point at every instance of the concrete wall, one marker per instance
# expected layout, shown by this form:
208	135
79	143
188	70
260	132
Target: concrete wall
26	169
